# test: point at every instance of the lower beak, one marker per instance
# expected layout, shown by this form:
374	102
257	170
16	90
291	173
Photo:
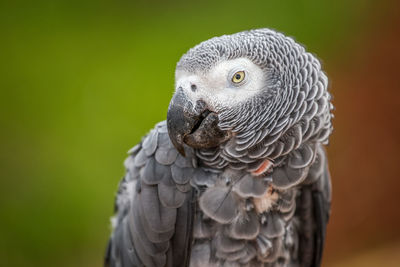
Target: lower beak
195	125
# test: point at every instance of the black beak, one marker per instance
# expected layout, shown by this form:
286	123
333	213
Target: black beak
195	125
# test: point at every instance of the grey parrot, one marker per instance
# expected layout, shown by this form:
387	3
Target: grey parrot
237	175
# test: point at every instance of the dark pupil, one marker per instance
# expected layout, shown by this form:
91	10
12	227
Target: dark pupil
238	76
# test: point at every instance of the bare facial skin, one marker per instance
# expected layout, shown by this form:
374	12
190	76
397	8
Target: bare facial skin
216	86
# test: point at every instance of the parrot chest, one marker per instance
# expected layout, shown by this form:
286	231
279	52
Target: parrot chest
242	219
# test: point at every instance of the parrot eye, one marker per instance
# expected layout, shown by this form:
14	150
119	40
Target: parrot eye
238	77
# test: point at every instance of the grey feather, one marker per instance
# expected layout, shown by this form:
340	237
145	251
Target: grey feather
163	139
183	162
284	178
152	173
137	217
151	248
160	219
181	175
258	151
166	156
140	159
274	227
182	239
128	255
147	260
219	204
250	186
279	146
229	245
302	157
246	227
230	149
289	144
150	143
250	254
170	196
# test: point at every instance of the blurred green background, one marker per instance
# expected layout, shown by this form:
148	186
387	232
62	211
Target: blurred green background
82	81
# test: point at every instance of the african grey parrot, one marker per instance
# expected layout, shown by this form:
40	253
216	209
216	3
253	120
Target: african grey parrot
238	174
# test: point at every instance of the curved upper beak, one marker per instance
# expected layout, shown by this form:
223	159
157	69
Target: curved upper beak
193	125
181	119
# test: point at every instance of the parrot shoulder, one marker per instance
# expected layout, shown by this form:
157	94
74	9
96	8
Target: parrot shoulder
153	221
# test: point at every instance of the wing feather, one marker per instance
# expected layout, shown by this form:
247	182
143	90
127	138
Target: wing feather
313	212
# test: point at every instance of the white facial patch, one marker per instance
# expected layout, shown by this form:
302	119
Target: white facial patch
217	88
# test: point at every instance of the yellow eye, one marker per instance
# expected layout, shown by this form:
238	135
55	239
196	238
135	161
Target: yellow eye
238	77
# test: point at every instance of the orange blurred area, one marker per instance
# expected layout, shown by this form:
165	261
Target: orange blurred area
365	147
388	256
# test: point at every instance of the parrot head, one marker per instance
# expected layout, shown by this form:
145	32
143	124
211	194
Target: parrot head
241	87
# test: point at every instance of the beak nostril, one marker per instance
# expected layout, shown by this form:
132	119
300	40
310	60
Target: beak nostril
193	87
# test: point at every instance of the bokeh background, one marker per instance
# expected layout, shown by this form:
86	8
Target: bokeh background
82	81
